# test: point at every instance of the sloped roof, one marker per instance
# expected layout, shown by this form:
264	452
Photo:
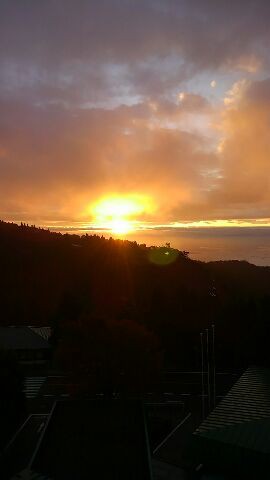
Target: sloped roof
251	435
95	439
44	332
237	433
248	400
21	338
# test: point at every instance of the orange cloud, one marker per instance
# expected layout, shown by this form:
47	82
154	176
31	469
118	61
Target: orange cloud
114	106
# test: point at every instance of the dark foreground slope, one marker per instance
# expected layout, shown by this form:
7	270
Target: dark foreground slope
52	279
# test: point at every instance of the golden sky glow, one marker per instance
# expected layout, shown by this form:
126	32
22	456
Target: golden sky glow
120	213
141	127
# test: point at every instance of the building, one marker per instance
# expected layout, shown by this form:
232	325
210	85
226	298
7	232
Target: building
234	440
28	346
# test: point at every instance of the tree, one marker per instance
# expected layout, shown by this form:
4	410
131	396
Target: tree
110	356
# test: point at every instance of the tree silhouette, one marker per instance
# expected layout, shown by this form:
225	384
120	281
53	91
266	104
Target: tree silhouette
110	356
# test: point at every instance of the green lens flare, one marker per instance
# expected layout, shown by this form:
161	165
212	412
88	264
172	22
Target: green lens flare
163	255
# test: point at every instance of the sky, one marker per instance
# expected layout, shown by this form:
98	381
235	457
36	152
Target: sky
163	103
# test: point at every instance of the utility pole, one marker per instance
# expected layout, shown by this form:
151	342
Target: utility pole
208	370
214	366
202	377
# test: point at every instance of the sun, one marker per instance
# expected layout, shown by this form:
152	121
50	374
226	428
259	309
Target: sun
121	227
119	214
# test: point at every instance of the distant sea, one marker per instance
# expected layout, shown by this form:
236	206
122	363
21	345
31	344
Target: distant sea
208	244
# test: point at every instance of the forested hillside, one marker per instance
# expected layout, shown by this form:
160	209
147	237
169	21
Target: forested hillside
62	280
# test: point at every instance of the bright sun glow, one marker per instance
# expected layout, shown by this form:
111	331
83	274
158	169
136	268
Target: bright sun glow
121	226
120	214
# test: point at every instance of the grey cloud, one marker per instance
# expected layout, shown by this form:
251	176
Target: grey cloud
54	34
106	53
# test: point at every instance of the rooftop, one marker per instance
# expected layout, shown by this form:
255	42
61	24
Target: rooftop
21	338
105	438
236	435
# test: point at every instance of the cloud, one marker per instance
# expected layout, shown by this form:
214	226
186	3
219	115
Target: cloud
97	97
245	184
55	161
85	50
58	161
193	102
236	92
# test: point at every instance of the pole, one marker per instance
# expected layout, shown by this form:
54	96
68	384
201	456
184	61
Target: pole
214	367
202	361
208	370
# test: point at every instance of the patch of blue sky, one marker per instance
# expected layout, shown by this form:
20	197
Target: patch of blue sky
201	83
